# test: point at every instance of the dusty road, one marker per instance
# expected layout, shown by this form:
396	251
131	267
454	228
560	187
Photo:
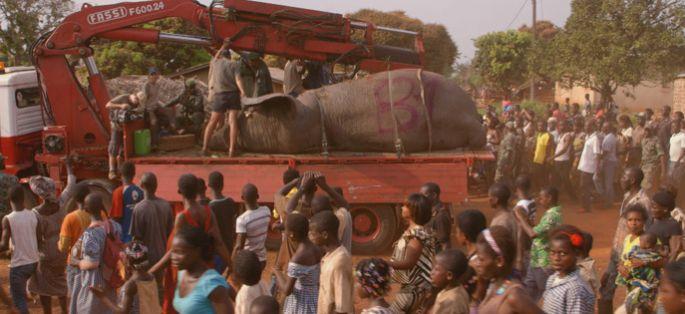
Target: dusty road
601	223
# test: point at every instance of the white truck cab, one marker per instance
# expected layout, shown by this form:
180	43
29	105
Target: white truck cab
21	120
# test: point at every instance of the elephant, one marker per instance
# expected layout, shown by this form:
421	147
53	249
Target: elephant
430	113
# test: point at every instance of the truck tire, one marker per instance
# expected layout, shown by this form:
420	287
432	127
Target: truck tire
374	228
99	186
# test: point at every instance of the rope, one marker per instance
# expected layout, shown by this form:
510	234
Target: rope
324	139
398	140
419	75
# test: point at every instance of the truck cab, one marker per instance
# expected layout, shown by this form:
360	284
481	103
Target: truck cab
21	121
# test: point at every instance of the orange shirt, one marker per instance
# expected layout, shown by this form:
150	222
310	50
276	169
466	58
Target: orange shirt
72	227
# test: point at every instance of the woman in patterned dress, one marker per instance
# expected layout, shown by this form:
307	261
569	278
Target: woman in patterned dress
301	283
50	279
412	258
87	253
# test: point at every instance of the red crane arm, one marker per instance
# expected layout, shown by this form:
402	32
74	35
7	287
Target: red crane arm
252	26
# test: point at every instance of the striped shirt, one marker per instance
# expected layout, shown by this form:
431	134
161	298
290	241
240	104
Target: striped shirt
570	294
255	225
419	276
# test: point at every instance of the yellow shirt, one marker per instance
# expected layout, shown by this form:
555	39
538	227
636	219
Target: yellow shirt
541	148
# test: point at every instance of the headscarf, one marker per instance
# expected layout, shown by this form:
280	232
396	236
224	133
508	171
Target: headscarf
374	276
136	255
44	187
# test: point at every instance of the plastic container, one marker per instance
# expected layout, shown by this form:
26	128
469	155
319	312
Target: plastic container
142	142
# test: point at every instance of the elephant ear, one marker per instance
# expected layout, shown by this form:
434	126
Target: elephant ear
272	104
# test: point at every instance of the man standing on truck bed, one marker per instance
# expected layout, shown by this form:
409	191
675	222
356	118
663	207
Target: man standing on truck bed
225	90
116	107
151	105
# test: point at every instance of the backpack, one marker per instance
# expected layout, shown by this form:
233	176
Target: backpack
112	264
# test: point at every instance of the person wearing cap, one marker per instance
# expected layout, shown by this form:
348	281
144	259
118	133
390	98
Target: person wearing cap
226	87
506	155
653	158
190	117
150	106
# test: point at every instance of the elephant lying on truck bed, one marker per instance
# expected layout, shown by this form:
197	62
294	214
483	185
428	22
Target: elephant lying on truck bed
357	116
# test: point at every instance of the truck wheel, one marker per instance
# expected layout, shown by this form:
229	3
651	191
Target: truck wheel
99	186
374	228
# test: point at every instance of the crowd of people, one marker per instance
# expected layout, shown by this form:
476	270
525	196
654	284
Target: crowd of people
143	255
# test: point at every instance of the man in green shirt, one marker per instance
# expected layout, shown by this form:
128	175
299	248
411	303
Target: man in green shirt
538	269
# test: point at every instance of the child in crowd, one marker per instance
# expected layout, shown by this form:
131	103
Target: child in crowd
251	227
336	281
526	200
300	284
248	272
373	276
526	204
643	279
586	264
538	271
124	199
662	225
265	304
139	293
672	289
566	291
202	192
470	223
448	269
499	195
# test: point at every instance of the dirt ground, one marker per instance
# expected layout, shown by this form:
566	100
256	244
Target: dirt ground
601	223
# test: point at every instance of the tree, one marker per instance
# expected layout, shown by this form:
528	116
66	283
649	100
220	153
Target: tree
22	22
441	51
607	44
127	58
502	59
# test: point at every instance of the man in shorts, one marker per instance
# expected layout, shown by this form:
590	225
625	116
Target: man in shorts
225	90
115	106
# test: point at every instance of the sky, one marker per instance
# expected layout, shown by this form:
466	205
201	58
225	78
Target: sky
464	19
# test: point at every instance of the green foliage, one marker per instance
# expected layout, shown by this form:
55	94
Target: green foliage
128	58
502	59
539	108
22	22
611	43
441	51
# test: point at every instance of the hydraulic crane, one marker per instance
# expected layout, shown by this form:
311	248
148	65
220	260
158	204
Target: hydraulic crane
251	26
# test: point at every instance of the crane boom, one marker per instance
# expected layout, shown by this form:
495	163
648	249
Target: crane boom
251	26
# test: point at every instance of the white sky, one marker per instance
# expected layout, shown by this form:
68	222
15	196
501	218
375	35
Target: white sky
464	19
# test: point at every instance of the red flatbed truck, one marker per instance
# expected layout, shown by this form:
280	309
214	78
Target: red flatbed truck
77	122
373	184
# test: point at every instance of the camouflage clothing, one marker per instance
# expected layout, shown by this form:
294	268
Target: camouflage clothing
6	182
191	115
652	153
506	158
